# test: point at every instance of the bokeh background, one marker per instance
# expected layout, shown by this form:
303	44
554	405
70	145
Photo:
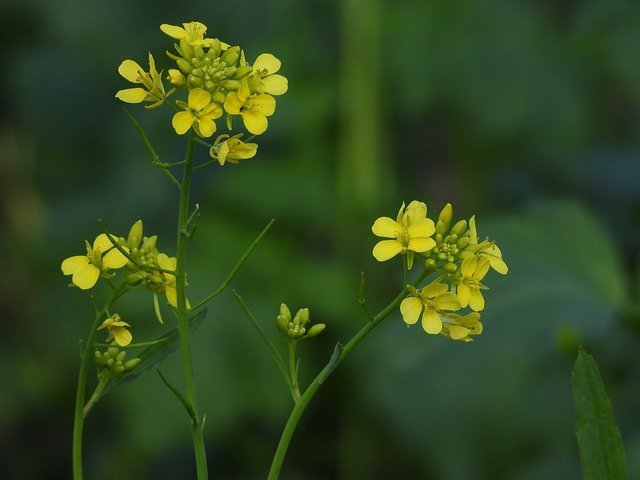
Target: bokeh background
525	113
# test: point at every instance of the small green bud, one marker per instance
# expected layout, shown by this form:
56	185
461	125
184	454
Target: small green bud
198	52
121	355
441	228
283	318
242	72
218	97
131	364
215	48
230	84
134	278
459	228
450	267
438	238
302	317
317	329
112	352
230	57
184	66
229	72
446	214
430	264
99	359
118	370
149	243
463	242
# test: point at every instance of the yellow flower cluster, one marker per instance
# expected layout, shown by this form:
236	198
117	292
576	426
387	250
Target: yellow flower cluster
147	269
452	252
218	80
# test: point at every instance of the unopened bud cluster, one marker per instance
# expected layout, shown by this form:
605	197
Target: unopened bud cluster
113	361
297	328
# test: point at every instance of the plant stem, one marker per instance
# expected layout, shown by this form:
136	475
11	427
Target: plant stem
339	354
79	413
181	311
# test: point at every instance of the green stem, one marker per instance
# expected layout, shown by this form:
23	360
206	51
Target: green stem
339	354
79	411
293	371
96	395
182	313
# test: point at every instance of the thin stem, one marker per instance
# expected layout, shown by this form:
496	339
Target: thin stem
182	313
293	371
79	411
339	354
96	394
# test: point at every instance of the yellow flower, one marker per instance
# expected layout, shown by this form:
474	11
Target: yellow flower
200	112
99	259
153	90
232	149
169	263
430	301
253	108
265	67
472	270
176	78
192	33
117	330
460	327
410	233
487	249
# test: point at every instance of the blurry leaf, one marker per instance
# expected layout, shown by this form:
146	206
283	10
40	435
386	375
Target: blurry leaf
154	354
601	449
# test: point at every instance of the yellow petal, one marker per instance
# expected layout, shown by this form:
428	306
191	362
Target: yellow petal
448	301
172	296
410	308
458	332
102	243
173	31
233	104
73	264
266	104
386	227
114	259
267	62
386	249
255	122
165	262
422	228
131	71
275	84
182	122
464	294
86	277
433	290
468	266
205	127
198	99
431	322
476	302
132	95
481	268
421	244
122	336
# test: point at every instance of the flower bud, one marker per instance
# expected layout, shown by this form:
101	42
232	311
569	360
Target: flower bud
459	228
446	214
184	66
218	97
302	317
135	235
316	330
149	243
430	264
242	72
450	267
231	55
214	49
131	364
112	352
230	84
463	242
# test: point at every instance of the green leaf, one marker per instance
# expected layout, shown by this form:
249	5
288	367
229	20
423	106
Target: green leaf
154	354
601	450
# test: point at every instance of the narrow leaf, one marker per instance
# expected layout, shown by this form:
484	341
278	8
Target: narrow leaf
601	450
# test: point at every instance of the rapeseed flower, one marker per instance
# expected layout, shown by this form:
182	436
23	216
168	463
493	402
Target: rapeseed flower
117	330
200	112
430	301
472	271
153	90
253	108
100	258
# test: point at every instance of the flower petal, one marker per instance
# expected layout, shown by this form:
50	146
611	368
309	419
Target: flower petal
464	294
173	31
275	84
266	104
476	302
198	99
172	296
132	95
422	228
410	308
448	301
431	322
267	62
131	71
122	336
386	249
386	227
255	122
233	104
433	290
86	277
72	264
182	122
114	259
421	244
458	332
102	243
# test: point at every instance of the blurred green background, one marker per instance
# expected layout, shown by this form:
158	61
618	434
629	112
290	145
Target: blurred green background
524	113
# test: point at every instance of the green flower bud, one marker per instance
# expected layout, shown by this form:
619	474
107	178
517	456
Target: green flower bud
99	359
118	370
184	66
459	228
215	48
463	242
198	52
131	364
316	330
450	267
229	72
230	84
438	238
446	214
218	97
134	278
231	55
121	355
302	317
430	264
242	72
149	243
112	352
